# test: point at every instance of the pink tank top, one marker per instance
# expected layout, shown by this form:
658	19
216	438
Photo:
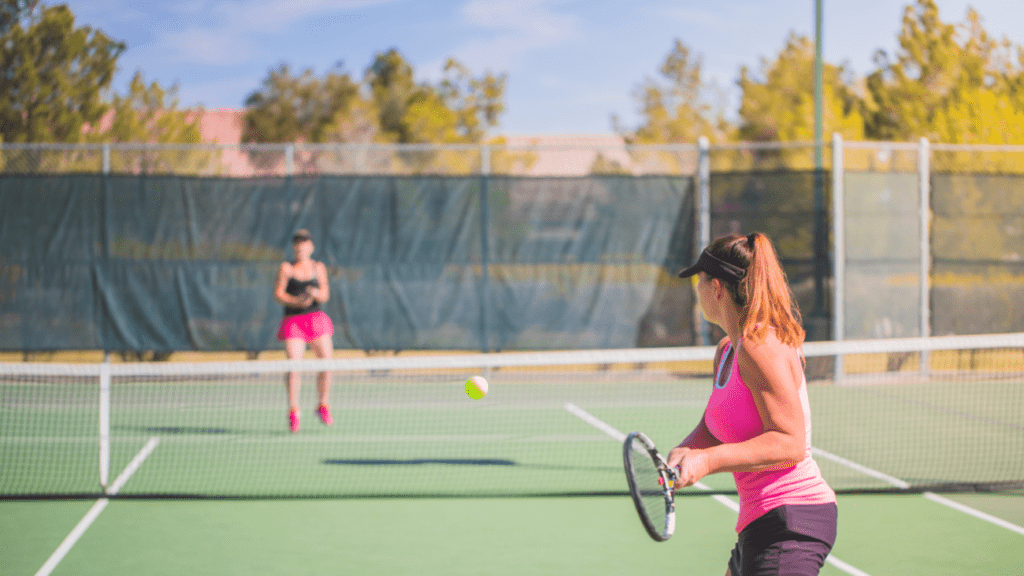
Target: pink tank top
732	417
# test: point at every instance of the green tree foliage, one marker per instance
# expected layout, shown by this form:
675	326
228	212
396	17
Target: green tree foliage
908	88
778	103
951	83
392	88
478	103
674	109
336	108
460	109
303	107
55	73
150	114
386	106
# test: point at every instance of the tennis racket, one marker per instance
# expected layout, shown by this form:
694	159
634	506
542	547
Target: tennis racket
651	484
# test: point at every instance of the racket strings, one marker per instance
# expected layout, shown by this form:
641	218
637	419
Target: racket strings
650	484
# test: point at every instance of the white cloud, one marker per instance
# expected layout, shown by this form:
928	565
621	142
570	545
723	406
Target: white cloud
513	29
698	17
205	47
725	17
226	32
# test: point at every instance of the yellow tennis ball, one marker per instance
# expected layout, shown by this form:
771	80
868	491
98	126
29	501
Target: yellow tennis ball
476	387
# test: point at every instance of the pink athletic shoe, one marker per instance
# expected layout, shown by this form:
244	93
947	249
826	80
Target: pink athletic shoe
293	420
325	414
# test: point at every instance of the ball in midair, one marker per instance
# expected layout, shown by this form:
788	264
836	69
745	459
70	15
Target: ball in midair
476	387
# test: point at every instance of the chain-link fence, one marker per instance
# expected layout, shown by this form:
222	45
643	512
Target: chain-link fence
261	160
929	237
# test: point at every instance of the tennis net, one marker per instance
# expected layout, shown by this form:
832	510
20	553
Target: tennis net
889	415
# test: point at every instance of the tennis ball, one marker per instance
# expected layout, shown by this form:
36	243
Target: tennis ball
476	387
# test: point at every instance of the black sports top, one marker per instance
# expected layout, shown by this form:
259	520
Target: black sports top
298	288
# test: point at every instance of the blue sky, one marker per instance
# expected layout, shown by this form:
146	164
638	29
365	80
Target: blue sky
571	64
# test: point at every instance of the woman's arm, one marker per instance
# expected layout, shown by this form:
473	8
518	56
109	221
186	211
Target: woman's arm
322	293
700	438
772	372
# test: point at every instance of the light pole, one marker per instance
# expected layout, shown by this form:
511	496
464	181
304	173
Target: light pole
820	230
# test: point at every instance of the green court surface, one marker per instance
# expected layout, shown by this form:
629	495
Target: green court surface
904	534
415	478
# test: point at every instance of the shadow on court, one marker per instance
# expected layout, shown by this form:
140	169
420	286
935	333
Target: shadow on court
463	462
419	461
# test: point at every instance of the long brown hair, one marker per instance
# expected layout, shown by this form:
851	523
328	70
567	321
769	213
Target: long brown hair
763	293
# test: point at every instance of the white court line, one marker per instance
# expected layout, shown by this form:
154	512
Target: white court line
973	512
615	434
929	495
98	507
133	466
595	422
860	468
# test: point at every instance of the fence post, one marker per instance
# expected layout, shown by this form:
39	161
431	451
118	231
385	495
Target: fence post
289	159
106	157
485	290
838	252
704	226
924	212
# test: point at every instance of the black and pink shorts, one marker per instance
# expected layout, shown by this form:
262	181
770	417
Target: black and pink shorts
308	327
791	539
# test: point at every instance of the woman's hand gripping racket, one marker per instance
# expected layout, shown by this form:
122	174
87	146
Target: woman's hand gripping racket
651	484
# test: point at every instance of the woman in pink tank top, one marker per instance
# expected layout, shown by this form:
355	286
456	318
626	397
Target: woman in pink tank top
757	423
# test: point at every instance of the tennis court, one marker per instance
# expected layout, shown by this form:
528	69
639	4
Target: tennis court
415	478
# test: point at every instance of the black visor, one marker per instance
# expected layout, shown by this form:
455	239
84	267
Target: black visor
715	267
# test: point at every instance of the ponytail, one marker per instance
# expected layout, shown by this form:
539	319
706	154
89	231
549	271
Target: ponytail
763	293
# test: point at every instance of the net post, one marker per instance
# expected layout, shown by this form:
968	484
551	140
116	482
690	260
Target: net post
924	211
289	159
704	227
104	381
838	252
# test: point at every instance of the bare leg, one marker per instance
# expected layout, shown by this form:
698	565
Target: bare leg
296	349
323	347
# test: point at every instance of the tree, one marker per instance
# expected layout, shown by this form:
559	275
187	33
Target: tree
459	109
778	104
289	108
300	108
477	102
938	70
1012	79
387	106
979	116
674	110
150	114
54	73
392	88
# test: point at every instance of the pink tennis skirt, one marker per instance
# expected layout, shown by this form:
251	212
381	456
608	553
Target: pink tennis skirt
308	327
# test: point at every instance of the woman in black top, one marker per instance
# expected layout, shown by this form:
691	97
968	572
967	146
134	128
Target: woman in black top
301	288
